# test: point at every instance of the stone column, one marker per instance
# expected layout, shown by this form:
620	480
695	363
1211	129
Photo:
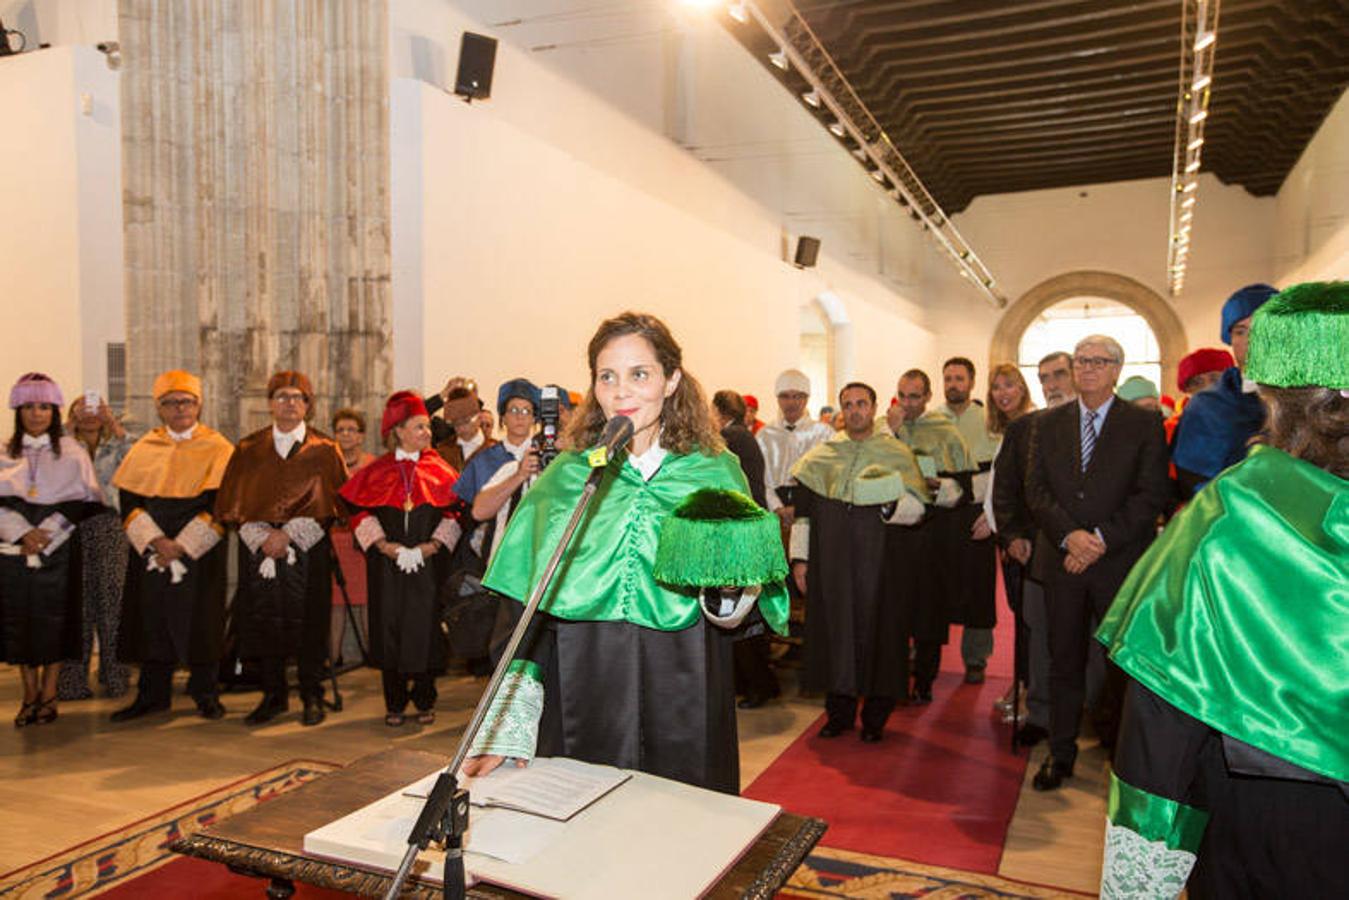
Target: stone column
256	195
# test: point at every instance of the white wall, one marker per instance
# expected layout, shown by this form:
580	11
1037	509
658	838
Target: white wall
61	235
1311	231
545	210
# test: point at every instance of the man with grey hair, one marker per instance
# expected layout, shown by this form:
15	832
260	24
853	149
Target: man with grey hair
1096	483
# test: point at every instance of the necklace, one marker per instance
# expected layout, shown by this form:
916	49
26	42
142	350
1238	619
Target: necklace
406	476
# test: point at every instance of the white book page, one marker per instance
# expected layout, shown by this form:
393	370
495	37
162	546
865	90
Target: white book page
554	788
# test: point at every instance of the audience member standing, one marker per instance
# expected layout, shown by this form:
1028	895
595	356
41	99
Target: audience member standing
403	506
1220	422
281	491
973	554
929	581
103	552
1096	485
47	482
458	434
173	610
1198	370
846	490
788	439
754	678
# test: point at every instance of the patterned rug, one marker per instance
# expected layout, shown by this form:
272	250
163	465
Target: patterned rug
95	866
841	873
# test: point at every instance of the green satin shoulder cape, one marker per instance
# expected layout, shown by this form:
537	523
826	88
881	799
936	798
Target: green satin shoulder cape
935	434
831	469
1239	613
606	574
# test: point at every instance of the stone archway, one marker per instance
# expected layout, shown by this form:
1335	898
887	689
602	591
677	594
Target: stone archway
1161	318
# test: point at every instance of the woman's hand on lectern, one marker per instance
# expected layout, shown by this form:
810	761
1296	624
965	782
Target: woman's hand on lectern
478	766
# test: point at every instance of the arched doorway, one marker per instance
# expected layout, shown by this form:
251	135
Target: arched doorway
826	347
1114	300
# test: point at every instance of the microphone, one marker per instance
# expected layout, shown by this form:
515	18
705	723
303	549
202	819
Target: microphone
617	432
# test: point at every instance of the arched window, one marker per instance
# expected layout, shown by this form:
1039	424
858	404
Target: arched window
1062	325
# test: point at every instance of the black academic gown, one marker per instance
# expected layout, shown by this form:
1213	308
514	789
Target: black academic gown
272	612
852	625
163	622
40	609
404	633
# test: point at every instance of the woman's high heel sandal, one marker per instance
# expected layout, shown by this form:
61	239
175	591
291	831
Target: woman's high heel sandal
27	715
45	712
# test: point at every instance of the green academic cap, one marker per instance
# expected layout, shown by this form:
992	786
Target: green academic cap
876	485
1298	338
719	538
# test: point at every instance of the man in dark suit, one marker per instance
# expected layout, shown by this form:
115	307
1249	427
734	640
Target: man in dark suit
1096	483
753	676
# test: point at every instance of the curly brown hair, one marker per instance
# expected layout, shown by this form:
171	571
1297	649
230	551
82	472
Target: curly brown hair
685	421
1311	423
998	420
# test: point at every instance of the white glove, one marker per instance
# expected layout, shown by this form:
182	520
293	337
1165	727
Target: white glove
267	569
948	494
409	559
176	569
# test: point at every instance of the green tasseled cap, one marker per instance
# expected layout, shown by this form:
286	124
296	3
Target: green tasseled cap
1300	337
876	486
719	538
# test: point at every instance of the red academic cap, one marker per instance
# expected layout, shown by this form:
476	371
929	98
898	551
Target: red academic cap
1207	359
751	401
400	407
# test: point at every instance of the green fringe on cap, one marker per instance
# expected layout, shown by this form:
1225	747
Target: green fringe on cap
718	538
1300	337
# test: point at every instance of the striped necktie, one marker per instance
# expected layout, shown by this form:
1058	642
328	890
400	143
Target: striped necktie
1088	437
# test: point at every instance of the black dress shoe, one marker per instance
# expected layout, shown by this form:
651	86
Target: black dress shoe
140	707
1051	774
313	711
833	729
1029	735
211	708
871	735
922	695
974	675
753	701
271	706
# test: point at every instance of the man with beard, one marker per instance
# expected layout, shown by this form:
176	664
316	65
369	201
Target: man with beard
847	488
281	491
974	554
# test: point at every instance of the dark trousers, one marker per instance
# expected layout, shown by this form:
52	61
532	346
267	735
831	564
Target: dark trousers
842	710
309	661
753	675
926	662
156	682
1075	604
397	694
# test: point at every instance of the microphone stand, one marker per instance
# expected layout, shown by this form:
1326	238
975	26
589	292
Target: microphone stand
444	817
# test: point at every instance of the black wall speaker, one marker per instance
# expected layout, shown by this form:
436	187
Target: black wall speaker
807	249
477	56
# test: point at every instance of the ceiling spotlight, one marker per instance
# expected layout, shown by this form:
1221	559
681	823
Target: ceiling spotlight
1195	119
837	129
778	59
860	154
1190	187
879	176
1195	144
1205	39
738	12
811	98
1187	215
1187	203
1192	166
1201	82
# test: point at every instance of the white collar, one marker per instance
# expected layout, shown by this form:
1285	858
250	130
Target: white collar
516	450
1100	410
41	442
469	446
181	435
648	464
285	441
1248	386
399	454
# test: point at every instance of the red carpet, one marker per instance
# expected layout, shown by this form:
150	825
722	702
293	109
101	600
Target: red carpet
939	789
204	880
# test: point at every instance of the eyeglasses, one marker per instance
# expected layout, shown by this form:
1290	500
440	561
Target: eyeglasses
1094	362
289	397
520	411
180	403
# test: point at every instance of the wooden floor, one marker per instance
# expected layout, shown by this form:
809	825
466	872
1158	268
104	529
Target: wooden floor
83	776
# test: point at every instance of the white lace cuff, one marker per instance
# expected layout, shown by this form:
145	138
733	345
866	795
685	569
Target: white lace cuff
1136	868
908	511
447	533
734	608
511	727
13	526
142	530
60	528
948	494
798	546
253	534
198	537
304	532
368	533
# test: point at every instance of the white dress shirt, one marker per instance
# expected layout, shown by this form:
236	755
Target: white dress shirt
285	440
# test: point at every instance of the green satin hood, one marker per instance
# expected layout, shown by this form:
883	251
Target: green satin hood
606	575
834	469
1239	613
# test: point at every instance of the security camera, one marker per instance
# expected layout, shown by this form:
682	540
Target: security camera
113	51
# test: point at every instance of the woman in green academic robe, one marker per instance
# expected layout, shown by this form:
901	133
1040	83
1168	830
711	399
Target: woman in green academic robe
618	668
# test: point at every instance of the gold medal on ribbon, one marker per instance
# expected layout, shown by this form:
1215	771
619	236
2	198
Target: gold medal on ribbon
407	505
